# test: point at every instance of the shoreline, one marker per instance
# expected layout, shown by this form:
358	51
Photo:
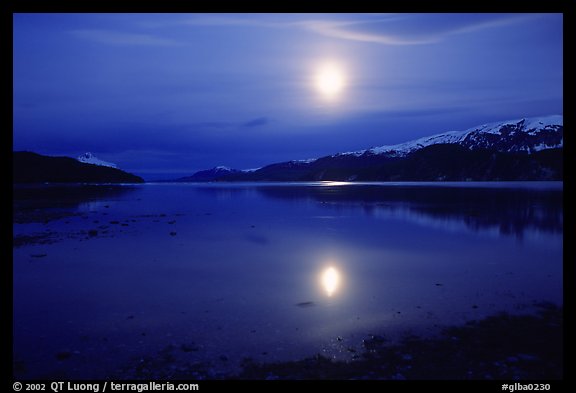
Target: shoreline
499	347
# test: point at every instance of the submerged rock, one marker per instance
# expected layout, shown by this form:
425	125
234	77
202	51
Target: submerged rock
63	355
190	347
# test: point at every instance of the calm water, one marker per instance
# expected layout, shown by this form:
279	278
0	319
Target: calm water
105	276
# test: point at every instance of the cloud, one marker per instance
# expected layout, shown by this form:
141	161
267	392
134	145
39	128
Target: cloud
358	30
111	37
410	29
386	29
260	121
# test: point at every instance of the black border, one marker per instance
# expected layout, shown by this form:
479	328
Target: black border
168	6
8	7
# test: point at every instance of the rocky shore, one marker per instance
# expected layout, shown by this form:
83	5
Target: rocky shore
500	347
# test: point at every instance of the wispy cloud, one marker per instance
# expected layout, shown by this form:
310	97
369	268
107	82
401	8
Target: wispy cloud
352	31
112	37
386	29
411	29
260	121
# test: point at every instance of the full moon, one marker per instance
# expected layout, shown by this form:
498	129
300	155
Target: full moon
330	80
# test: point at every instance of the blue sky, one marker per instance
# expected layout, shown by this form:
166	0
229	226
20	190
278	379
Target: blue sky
165	95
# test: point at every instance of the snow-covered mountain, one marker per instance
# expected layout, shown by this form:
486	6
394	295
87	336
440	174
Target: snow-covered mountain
209	174
524	149
89	158
528	135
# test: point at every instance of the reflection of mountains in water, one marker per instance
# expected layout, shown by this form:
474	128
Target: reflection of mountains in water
509	211
31	202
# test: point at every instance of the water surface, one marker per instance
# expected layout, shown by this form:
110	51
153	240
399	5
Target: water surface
106	275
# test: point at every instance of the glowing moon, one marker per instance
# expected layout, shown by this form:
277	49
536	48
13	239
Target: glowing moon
330	80
330	280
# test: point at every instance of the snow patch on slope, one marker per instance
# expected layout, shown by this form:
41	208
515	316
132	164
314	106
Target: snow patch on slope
89	158
531	126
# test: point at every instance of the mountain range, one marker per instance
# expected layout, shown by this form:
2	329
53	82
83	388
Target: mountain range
523	149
